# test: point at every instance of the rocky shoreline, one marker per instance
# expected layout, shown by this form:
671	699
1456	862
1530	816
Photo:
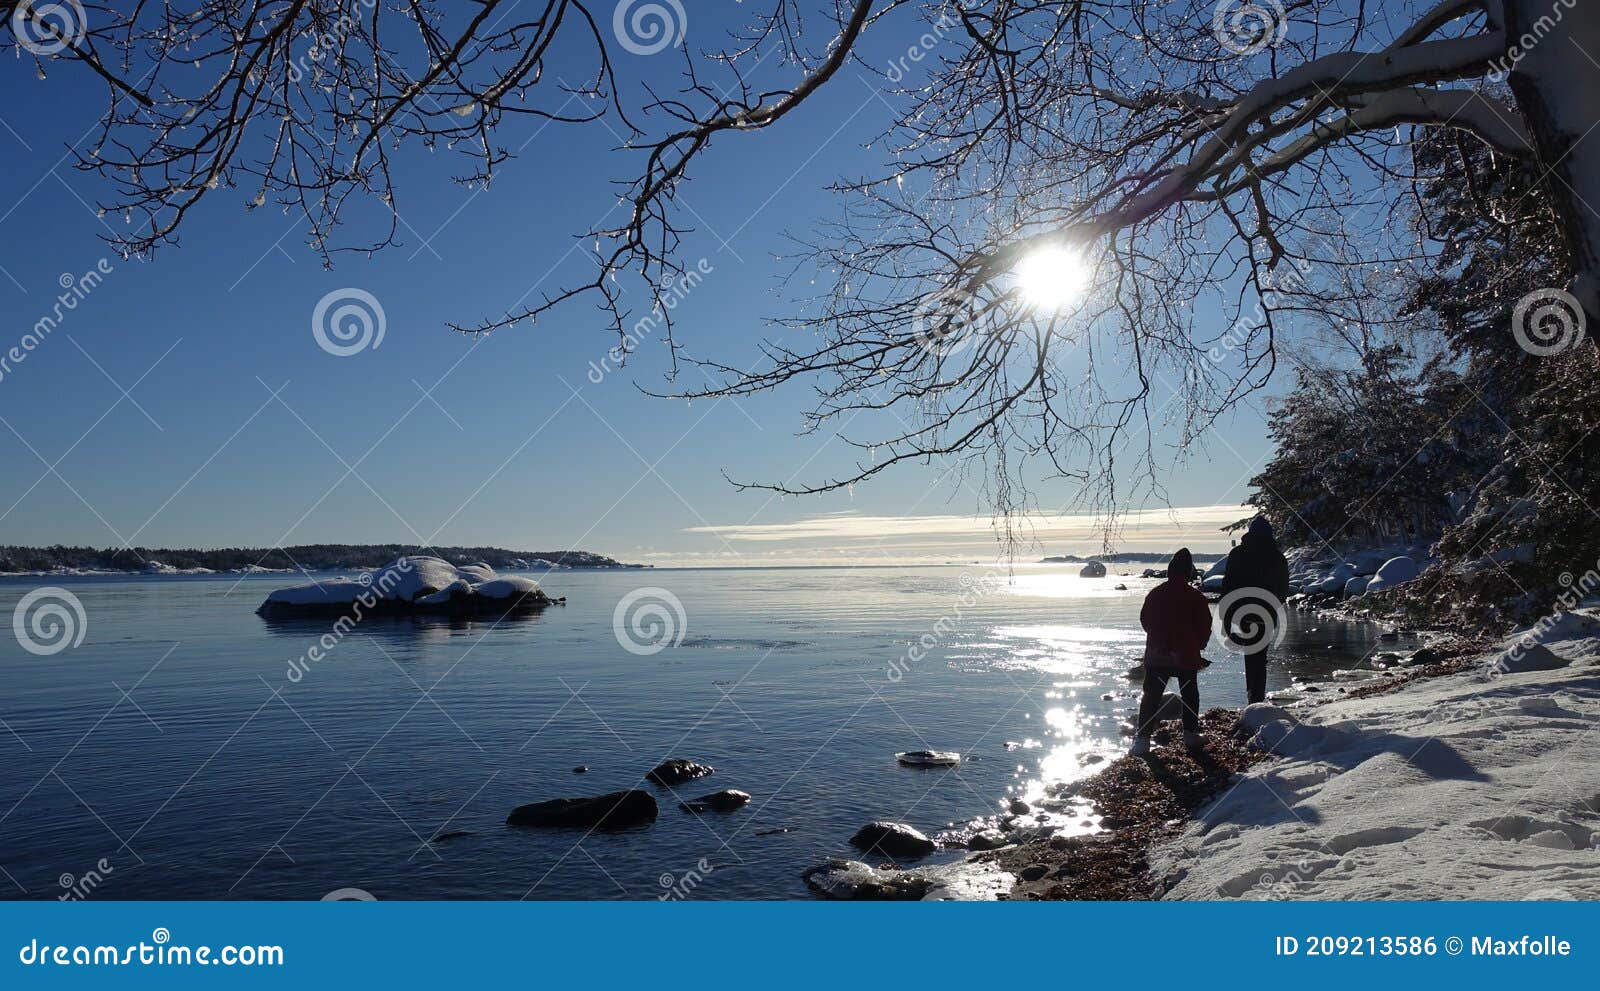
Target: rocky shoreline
1136	806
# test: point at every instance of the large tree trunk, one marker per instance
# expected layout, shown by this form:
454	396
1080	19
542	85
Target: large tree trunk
1556	79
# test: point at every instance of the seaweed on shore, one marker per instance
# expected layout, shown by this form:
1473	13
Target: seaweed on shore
1145	802
1141	802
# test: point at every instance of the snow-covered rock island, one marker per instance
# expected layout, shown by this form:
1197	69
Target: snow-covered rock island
411	584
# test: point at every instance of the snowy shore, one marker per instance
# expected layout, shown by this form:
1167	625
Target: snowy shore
1483	784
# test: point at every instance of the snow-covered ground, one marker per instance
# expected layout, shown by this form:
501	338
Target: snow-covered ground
1478	785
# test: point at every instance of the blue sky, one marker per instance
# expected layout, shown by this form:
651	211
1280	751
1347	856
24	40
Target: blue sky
186	402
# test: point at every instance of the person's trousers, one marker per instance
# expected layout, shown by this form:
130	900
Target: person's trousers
1155	686
1255	677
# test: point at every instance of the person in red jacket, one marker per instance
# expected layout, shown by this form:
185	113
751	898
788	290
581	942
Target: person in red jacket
1177	623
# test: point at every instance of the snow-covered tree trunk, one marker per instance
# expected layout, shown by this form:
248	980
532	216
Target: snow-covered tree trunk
1555	58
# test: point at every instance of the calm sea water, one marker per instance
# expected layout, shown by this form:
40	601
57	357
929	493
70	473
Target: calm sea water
170	755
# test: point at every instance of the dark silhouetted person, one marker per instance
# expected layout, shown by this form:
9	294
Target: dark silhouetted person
1257	571
1177	623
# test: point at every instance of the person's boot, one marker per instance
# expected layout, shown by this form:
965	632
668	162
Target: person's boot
1141	747
1194	742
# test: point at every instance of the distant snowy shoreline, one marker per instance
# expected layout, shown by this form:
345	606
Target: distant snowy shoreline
90	562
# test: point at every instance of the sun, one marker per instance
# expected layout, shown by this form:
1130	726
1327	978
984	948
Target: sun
1052	277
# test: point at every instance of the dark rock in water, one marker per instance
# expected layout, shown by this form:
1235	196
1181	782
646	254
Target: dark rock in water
678	770
851	880
1388	635
1094	758
929	758
1426	655
775	832
726	800
894	839
617	810
988	839
1060	842
1122	588
581	769
454	834
1019	807
1033	872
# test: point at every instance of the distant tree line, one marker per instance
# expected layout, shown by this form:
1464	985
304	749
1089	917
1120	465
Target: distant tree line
310	557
